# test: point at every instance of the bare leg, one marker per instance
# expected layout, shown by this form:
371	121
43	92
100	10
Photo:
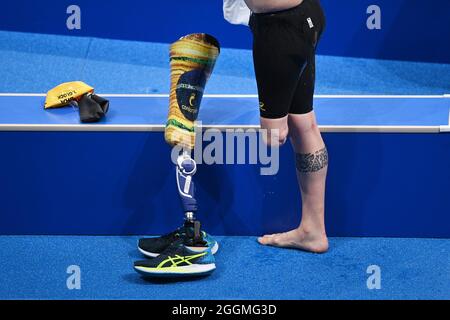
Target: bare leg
277	130
311	162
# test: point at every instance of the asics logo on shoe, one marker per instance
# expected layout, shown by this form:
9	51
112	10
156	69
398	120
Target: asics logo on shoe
179	260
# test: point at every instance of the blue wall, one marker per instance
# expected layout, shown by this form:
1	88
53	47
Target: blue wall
100	183
411	29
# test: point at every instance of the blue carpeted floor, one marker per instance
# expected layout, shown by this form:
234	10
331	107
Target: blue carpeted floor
35	268
36	62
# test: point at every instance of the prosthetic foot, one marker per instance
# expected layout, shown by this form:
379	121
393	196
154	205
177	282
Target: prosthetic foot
195	239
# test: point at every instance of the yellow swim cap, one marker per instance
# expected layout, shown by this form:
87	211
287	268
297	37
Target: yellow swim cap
66	92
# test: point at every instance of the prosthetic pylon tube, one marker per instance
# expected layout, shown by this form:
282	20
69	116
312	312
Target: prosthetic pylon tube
192	60
186	168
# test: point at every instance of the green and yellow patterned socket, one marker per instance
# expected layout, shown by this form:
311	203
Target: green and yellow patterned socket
192	60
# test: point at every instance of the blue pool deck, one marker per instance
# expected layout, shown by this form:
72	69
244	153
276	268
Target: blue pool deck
149	112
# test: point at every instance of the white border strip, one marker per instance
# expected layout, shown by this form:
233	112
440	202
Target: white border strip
160	128
241	96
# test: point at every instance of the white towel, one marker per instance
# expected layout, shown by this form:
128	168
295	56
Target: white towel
236	12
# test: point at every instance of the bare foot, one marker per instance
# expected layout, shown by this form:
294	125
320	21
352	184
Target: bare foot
297	239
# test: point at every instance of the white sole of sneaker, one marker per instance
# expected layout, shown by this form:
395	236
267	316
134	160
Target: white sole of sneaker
184	271
214	250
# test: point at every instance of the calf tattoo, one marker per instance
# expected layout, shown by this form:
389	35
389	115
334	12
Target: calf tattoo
311	162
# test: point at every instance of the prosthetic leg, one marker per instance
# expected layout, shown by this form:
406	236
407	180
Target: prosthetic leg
192	59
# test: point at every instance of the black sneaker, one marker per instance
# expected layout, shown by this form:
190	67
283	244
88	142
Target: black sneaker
177	261
153	247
